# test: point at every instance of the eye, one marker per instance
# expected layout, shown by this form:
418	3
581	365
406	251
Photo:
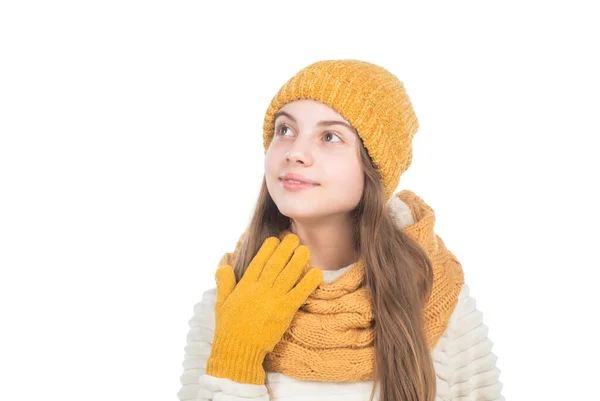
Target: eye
279	128
331	133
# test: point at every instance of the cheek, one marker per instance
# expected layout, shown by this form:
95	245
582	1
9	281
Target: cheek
273	166
270	158
348	176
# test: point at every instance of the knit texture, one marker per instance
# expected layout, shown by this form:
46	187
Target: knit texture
254	313
331	337
368	96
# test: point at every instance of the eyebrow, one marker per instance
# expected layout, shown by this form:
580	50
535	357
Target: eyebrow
321	123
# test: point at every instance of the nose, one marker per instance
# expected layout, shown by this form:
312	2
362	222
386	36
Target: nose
300	152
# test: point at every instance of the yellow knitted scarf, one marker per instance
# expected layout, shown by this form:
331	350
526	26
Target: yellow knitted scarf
331	337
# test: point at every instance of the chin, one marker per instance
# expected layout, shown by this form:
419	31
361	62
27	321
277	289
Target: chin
301	211
295	211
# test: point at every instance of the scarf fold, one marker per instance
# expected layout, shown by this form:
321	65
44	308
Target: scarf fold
331	337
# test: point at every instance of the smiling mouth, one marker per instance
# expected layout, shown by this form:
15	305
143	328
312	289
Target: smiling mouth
292	185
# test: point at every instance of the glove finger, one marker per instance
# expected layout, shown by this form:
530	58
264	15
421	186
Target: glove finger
225	278
305	287
292	272
280	259
257	263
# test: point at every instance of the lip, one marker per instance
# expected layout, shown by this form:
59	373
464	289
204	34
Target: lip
297	177
296	186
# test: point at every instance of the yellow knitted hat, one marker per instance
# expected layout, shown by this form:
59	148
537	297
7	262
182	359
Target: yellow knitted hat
370	97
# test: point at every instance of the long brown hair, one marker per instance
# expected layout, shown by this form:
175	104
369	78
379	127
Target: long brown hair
399	275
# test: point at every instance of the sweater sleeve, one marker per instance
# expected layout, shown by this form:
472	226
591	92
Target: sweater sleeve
465	364
196	385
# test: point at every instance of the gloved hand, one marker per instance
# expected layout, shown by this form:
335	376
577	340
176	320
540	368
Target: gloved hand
252	316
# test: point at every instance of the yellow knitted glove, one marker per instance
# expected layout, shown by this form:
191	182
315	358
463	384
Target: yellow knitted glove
252	316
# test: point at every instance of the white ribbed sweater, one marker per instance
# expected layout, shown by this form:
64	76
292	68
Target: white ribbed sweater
464	363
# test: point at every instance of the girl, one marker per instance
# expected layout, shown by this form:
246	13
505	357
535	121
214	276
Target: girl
339	290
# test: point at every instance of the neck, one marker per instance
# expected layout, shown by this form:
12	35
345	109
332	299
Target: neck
330	242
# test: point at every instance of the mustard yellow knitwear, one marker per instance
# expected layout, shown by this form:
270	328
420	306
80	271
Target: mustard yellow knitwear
252	315
331	337
370	97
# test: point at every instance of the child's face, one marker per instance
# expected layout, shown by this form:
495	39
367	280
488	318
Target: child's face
326	154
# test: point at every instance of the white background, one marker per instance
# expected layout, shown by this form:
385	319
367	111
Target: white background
131	155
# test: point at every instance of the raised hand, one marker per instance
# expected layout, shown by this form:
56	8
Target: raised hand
252	315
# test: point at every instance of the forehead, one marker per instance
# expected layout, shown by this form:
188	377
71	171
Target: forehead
308	108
